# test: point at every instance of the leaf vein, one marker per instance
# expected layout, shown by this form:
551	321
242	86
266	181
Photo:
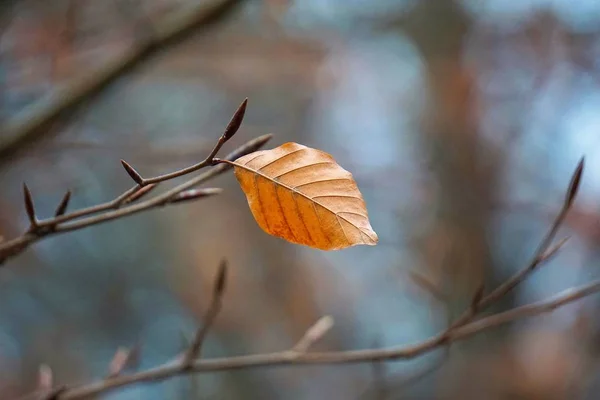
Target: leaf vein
299	168
313	202
280	158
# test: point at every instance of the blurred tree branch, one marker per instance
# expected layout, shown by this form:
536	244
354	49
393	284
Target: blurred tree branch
292	357
32	121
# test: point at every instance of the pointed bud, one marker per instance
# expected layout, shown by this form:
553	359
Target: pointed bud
195	194
140	193
62	206
574	184
220	279
137	178
29	208
236	121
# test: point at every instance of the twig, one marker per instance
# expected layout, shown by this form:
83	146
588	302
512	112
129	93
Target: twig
543	253
230	130
23	128
139	190
287	357
113	210
313	334
213	310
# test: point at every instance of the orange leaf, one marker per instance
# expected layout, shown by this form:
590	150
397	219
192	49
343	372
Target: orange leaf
303	196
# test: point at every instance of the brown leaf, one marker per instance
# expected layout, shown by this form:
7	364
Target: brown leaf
303	196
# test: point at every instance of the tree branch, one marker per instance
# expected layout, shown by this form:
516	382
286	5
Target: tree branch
32	121
291	358
125	204
107	211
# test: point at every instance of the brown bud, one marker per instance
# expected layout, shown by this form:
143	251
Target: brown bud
62	206
137	178
236	121
220	279
574	184
29	208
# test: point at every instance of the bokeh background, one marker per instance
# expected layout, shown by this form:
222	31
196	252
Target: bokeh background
461	121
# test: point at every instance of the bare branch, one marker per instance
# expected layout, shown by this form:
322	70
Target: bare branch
461	329
286	357
230	130
139	193
541	255
119	207
551	252
30	124
213	310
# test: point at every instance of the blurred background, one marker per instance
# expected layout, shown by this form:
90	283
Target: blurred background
461	121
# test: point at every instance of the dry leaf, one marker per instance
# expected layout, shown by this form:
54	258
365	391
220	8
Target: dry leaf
303	196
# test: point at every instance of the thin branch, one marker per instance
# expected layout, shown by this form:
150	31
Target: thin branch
213	310
542	254
289	358
313	334
113	210
230	130
27	126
